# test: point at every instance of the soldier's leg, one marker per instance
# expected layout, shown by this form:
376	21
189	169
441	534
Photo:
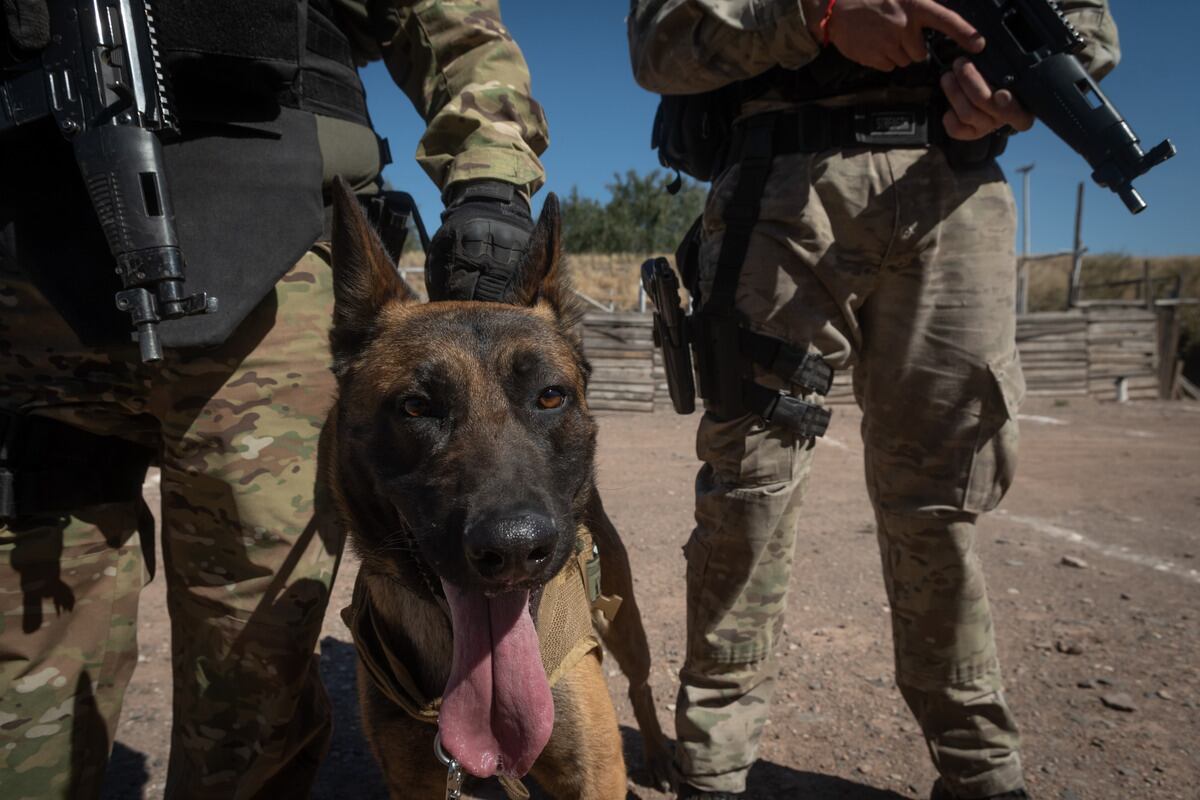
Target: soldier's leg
69	584
248	571
796	284
68	645
939	382
739	561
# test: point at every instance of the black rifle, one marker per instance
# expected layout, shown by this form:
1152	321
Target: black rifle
1031	51
671	332
100	79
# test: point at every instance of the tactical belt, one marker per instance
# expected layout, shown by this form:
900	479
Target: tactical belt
816	129
813	129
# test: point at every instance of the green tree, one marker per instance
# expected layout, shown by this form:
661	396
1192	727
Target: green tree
640	216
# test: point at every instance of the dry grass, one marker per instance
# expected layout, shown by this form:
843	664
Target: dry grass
1048	284
608	278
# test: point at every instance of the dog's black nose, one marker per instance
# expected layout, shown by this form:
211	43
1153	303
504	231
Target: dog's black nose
511	549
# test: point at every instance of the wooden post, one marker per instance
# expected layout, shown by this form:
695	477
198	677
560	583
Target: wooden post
1022	285
1076	251
1169	332
1023	261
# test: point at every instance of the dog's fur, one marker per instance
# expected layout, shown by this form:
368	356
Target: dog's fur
406	488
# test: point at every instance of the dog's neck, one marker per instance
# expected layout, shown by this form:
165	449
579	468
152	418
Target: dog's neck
414	625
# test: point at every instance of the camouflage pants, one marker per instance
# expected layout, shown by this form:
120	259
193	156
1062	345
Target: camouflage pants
893	264
248	574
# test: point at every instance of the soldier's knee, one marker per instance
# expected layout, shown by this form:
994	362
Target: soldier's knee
963	460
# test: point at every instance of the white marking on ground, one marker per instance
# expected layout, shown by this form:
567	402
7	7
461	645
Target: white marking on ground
1041	420
834	443
1120	552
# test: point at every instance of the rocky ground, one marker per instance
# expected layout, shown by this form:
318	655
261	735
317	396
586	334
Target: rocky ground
1094	571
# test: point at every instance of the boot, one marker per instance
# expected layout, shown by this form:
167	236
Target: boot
940	792
689	792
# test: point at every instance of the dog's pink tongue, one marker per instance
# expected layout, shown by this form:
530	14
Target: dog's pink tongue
497	712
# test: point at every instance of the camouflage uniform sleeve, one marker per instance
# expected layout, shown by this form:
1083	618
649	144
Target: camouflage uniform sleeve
1094	22
689	46
468	80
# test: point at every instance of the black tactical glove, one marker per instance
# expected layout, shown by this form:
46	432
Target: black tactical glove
481	244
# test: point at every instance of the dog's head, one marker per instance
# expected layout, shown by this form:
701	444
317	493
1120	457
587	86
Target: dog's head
465	449
463	426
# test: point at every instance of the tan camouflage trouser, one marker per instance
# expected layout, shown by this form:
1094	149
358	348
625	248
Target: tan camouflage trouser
248	574
890	262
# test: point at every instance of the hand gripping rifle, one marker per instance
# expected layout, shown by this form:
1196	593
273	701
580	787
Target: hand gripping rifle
99	77
1031	51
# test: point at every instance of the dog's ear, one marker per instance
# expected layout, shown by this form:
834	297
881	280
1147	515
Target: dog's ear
543	276
364	277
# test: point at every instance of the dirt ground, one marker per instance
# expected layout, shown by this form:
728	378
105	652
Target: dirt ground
1102	658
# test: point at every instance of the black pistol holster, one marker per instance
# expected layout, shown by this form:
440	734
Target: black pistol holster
726	352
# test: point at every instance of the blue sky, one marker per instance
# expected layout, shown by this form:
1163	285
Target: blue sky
600	122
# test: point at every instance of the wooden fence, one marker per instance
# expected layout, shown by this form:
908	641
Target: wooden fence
1102	351
620	347
1123	350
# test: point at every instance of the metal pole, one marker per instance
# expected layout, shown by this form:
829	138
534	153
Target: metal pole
1076	251
1022	269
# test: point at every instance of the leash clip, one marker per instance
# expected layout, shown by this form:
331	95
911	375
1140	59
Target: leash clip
454	774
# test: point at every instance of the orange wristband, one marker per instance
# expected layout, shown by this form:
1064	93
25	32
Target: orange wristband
825	20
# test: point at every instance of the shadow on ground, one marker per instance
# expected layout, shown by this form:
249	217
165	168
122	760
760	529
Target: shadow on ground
768	780
349	768
126	776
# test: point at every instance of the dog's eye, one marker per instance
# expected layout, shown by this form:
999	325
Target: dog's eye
415	406
552	397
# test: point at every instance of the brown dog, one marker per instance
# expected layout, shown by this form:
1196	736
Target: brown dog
459	458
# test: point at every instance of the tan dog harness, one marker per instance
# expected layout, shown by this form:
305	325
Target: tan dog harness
564	628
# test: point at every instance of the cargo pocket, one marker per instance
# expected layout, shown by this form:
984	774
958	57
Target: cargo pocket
994	461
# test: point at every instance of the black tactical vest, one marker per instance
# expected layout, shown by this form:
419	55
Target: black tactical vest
246	78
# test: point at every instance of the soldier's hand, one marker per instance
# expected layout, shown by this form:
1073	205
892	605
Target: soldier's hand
975	109
886	34
476	253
